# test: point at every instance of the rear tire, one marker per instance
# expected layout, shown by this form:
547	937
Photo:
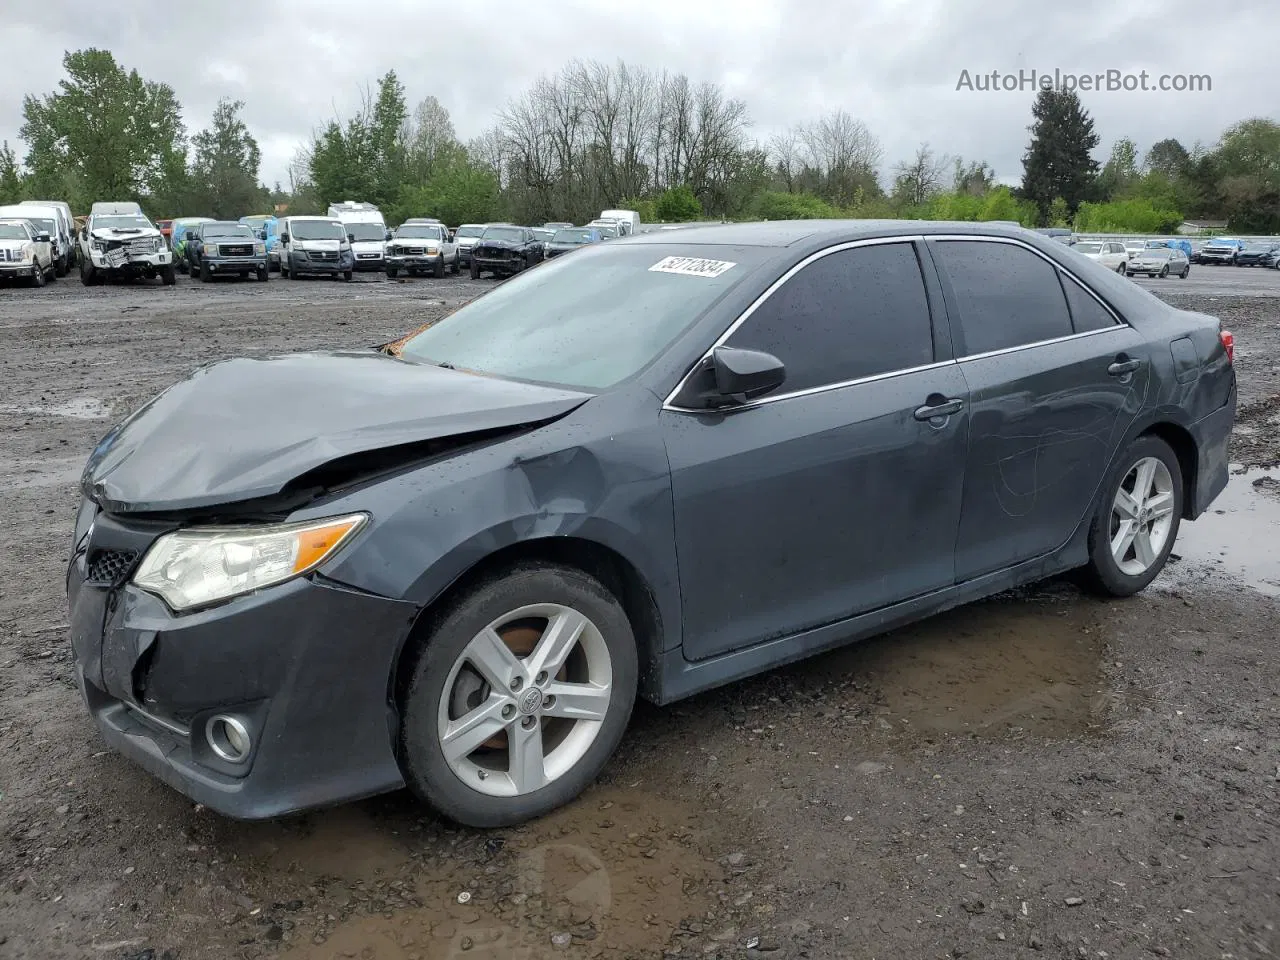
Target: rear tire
457	266
1121	568
601	651
392	272
61	266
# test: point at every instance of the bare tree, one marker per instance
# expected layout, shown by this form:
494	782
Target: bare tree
786	151
919	179
428	136
843	155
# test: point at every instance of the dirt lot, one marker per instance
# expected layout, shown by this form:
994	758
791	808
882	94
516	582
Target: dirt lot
1040	775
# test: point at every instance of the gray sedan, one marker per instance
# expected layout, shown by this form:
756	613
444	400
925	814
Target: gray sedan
656	466
1159	262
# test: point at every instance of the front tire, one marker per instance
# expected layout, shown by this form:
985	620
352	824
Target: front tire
437	268
346	275
87	271
264	273
393	271
1136	523
205	273
519	696
37	276
168	275
475	270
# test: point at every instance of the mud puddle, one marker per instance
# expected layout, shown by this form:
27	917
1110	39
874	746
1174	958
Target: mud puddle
1020	665
81	408
612	874
53	472
1238	539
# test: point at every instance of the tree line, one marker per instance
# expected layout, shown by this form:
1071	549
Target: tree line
596	135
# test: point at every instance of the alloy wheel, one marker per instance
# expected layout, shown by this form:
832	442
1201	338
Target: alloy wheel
525	699
1142	516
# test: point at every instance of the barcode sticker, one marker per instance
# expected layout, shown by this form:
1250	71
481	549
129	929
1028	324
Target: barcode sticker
692	266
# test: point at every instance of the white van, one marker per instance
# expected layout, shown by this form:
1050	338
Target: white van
628	220
314	245
366	231
69	248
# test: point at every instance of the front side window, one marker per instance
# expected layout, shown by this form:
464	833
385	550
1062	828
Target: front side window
851	314
1006	295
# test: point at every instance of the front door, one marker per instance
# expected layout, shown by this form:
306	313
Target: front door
838	494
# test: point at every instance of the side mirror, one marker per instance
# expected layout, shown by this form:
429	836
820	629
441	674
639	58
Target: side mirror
284	238
743	375
388	236
351	238
42	238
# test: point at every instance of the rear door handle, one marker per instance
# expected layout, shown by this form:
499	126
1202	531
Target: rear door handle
945	409
1121	367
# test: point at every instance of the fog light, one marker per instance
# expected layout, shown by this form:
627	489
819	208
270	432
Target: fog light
228	738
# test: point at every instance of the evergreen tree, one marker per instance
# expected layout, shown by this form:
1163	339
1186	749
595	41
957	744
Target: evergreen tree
1058	161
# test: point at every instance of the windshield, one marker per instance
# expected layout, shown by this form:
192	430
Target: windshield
1259	247
572	236
419	231
42	225
12	231
129	222
607	229
1089	247
588	321
503	233
468	231
255	222
362	232
227	230
317	230
1222	242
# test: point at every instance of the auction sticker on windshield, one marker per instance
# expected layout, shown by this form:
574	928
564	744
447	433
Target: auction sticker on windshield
692	266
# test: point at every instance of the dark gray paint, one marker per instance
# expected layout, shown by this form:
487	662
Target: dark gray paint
758	536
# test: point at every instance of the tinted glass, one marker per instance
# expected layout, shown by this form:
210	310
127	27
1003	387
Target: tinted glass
572	236
1086	312
1007	296
849	315
513	234
589	320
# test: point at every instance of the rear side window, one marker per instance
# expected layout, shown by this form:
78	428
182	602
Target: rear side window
1006	295
851	314
1086	312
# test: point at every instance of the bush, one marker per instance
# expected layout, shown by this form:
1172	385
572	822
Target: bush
1126	216
775	205
677	205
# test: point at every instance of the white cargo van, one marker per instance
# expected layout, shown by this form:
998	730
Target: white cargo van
366	230
628	220
66	248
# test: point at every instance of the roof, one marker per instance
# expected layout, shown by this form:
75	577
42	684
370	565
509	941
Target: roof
784	233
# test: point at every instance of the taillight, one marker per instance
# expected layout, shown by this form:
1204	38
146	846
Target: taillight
1229	343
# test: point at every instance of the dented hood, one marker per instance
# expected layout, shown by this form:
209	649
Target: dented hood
242	429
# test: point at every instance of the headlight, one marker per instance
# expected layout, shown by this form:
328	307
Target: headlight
99	246
432	249
194	567
27	254
259	248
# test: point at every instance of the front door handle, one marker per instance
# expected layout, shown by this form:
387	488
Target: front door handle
944	409
1121	367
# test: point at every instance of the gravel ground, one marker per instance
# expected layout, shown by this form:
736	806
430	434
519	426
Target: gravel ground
1041	774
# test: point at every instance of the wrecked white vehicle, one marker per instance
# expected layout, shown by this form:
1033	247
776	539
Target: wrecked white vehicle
119	241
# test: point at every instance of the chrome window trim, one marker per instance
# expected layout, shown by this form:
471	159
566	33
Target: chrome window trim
669	404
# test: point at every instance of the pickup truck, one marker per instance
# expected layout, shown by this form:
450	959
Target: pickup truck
420	247
224	248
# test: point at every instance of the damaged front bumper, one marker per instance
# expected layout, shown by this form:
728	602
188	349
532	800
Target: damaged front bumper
305	668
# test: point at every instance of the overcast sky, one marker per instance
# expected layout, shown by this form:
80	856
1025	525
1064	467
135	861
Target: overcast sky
894	65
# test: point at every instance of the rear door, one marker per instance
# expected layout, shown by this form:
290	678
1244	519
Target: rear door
1054	380
840	492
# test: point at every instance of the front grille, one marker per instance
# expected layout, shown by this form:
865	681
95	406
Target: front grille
111	566
411	251
369	256
493	253
330	256
235	250
143	247
9	256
